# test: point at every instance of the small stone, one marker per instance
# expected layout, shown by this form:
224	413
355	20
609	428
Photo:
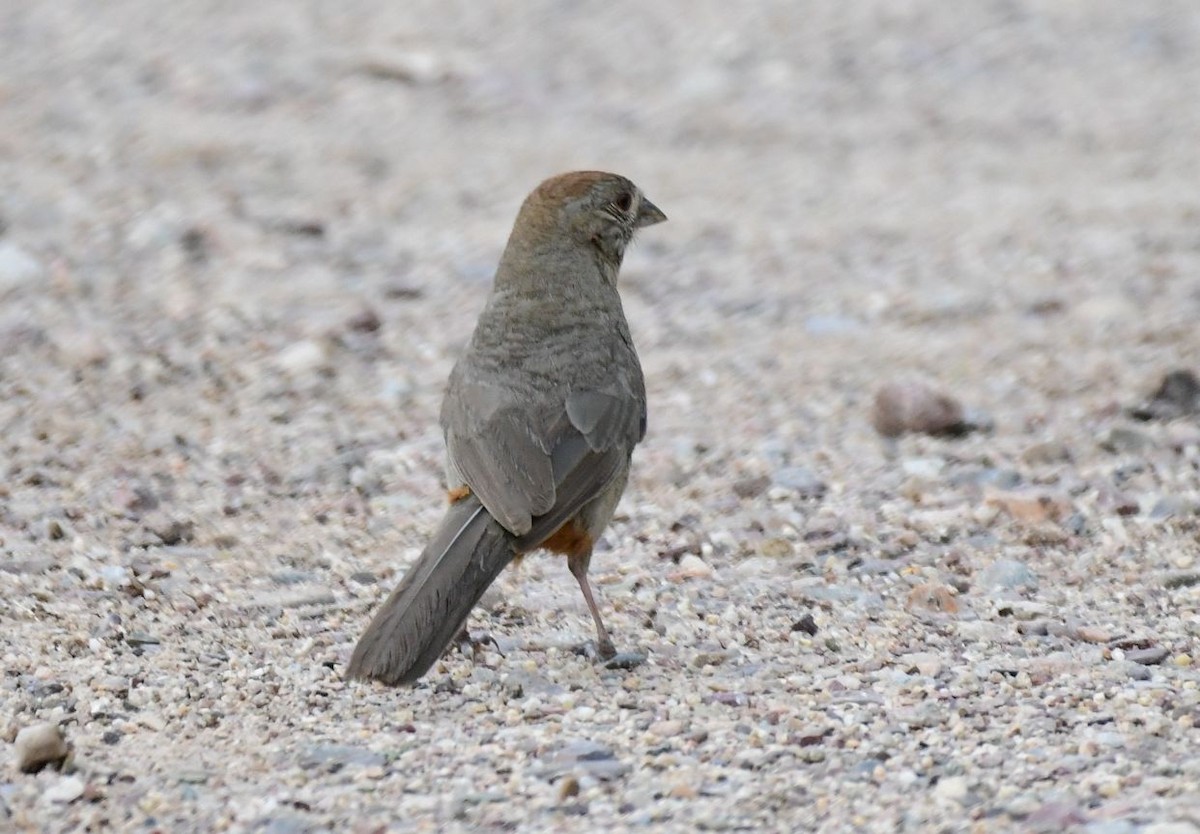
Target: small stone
923	663
39	746
1178	395
309	600
776	548
398	291
683	790
303	357
67	789
337	756
1030	507
364	321
1045	533
1007	575
588	757
987	477
141	638
417	67
928	469
1170	828
1049	451
567	788
806	624
1121	440
1174	506
952	789
979	631
111	683
1182	660
904	407
801	481
1147	657
1055	817
1023	610
666	729
1180	579
932	596
17	268
1135	671
692	566
1093	634
170	531
751	487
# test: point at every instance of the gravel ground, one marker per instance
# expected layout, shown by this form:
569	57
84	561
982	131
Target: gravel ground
243	244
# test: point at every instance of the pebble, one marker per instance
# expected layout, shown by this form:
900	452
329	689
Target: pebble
1109	827
751	487
914	407
979	631
66	789
1135	671
928	468
1171	828
932	596
339	755
1093	634
39	746
17	268
1031	507
303	357
1174	506
585	757
1178	395
692	566
1122	440
952	789
928	664
1007	575
1180	579
800	480
1147	657
1047	451
1023	610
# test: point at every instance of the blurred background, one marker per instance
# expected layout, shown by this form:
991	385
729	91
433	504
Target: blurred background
242	243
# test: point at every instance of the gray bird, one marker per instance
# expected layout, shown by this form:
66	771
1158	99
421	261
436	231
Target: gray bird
541	415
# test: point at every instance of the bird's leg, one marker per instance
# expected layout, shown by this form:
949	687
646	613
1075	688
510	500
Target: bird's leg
578	562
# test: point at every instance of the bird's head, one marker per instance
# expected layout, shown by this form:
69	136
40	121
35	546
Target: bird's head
589	209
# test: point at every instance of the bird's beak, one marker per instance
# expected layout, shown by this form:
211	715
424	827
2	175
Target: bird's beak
648	214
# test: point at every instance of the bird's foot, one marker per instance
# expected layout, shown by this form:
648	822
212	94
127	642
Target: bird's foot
466	641
625	660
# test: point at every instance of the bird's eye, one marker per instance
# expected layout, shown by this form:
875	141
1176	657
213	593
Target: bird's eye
623	202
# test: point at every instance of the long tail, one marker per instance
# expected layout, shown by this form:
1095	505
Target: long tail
430	605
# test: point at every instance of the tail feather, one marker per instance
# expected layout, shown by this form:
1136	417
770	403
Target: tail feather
431	604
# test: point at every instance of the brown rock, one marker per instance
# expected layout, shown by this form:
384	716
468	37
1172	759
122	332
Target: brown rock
932	597
906	407
1031	508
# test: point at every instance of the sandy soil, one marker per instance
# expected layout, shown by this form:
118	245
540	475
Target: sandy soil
242	243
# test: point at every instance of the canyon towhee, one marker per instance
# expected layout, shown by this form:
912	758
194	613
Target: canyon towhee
540	417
